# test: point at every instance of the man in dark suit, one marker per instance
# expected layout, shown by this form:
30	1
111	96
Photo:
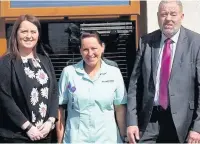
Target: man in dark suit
163	97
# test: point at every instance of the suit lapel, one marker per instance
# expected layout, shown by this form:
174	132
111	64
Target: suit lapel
182	44
155	53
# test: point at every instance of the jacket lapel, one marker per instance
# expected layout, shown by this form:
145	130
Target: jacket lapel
182	44
155	53
19	70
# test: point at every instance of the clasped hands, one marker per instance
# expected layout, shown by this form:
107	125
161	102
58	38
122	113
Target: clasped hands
38	133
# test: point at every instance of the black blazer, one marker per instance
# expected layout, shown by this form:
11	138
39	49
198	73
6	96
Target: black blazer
14	109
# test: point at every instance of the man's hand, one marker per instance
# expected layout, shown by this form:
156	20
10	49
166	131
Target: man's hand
133	134
193	137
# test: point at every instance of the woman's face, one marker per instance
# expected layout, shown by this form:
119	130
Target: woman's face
27	36
91	51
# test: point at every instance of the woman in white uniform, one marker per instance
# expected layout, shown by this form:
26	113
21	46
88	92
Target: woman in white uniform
95	96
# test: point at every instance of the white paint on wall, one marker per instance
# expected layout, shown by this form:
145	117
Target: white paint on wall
191	9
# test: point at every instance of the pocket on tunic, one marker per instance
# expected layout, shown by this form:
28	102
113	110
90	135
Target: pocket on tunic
79	101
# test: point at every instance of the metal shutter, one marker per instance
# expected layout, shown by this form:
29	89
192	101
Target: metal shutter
119	38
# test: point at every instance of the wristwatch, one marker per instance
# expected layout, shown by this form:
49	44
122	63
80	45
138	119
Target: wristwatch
28	127
124	139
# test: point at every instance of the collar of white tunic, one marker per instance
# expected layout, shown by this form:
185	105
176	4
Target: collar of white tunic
79	67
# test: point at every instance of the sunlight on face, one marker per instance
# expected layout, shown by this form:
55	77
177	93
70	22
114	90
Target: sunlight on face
27	35
91	51
170	17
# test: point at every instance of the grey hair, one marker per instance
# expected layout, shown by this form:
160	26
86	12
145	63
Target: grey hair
178	2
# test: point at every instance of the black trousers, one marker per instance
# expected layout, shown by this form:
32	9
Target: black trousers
161	128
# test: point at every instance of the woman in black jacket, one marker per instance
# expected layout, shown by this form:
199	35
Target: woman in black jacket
28	87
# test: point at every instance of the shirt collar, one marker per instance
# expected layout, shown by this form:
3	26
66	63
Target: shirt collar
79	67
174	38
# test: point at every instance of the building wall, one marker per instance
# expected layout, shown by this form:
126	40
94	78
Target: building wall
191	9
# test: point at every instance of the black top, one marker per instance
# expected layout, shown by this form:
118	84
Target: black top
38	81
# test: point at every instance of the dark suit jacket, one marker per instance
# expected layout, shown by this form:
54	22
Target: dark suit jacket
183	87
14	109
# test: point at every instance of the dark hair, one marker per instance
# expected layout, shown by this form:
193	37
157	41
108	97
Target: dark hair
13	45
88	34
94	34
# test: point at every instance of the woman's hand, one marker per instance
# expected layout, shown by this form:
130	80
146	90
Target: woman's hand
46	128
34	134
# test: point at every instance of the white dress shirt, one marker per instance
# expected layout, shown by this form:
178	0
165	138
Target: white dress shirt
173	49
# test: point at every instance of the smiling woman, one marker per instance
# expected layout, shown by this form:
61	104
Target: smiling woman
27	36
95	95
28	86
92	49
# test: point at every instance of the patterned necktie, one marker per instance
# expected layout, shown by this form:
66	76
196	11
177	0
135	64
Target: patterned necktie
165	74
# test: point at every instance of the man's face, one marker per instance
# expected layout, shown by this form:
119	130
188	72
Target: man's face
170	17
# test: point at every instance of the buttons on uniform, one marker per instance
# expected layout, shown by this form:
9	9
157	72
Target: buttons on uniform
174	112
72	102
